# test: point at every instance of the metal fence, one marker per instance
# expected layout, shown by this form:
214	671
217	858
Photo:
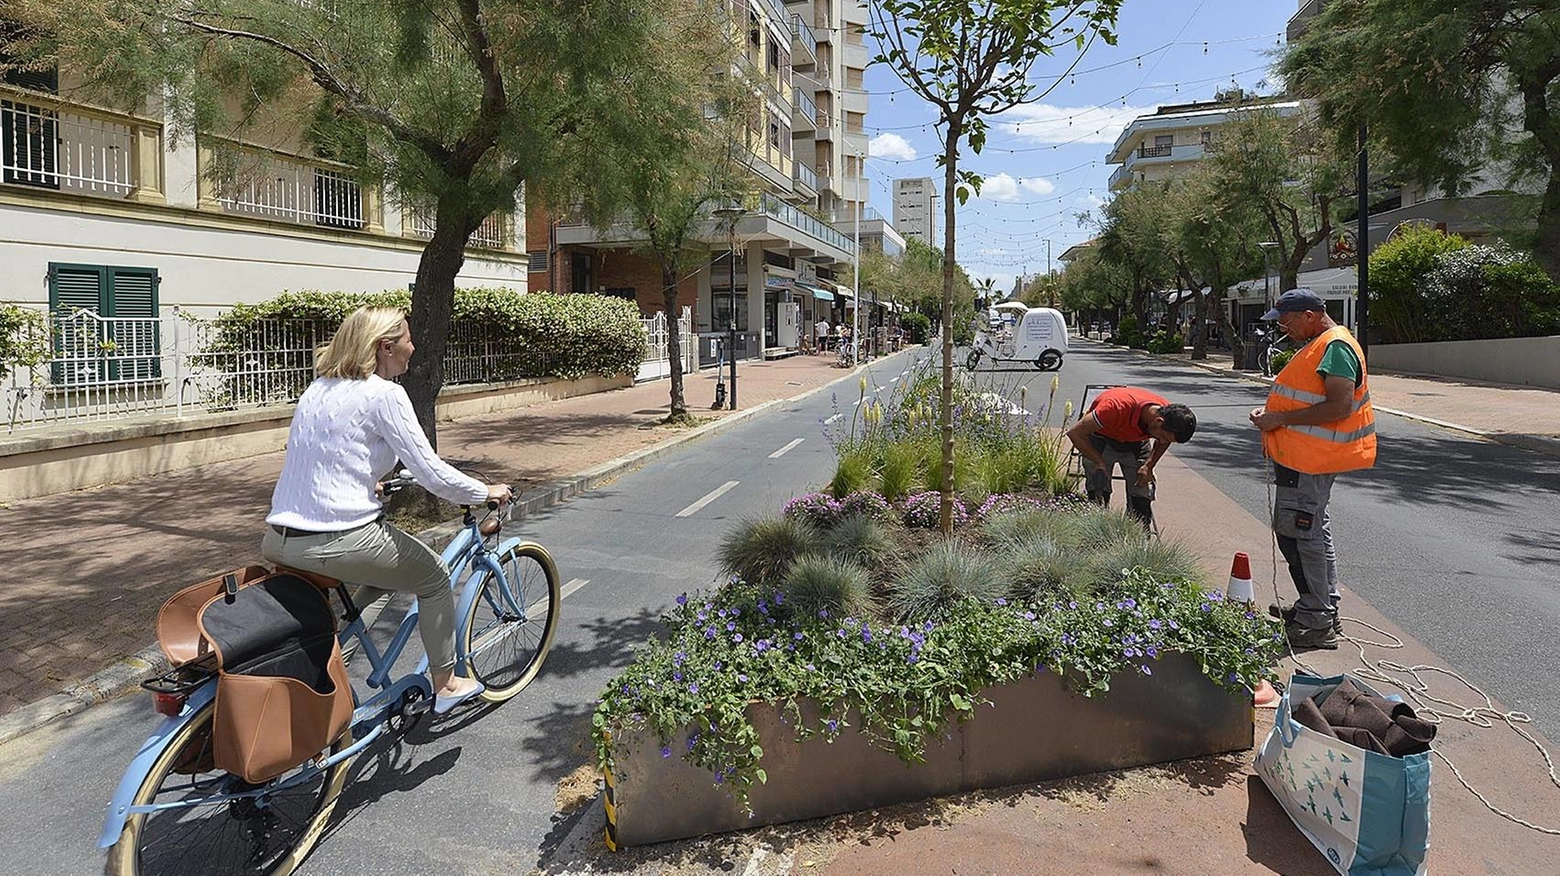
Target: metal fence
657	362
89	368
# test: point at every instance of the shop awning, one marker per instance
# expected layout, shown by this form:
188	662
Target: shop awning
820	294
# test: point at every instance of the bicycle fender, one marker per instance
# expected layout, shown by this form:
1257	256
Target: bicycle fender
150	751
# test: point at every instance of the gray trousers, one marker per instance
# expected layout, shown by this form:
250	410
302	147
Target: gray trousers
1130	458
381	559
1304	530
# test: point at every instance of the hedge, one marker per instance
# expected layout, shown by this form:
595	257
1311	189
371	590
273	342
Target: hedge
503	334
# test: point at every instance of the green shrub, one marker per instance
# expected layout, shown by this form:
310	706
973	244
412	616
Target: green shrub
852	473
521	335
760	550
1399	309
1281	358
1490	292
23	338
941	576
861	541
818	583
1130	333
917	327
897	469
1166	342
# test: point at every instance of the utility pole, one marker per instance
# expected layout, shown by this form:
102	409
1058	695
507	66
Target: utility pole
1362	207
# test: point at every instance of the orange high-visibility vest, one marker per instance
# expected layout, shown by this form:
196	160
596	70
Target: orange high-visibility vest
1342	445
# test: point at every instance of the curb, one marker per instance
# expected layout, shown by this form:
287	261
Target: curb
126	674
1532	443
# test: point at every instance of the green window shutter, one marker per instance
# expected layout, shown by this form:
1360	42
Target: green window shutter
77	295
137	342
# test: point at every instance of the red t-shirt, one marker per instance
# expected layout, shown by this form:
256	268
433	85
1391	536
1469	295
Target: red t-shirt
1120	412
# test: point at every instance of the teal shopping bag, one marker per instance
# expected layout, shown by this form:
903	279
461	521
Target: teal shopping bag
1368	813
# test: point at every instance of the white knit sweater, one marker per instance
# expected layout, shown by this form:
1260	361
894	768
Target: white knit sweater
346	435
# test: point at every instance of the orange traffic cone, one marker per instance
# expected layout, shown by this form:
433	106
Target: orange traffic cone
1240	590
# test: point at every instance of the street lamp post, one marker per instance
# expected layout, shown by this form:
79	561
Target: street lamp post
732	214
855	334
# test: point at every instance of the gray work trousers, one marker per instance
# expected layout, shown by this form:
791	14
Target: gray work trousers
1304	530
1129	457
380	559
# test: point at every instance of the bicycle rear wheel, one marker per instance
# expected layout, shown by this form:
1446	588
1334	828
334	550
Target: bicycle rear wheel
270	835
507	636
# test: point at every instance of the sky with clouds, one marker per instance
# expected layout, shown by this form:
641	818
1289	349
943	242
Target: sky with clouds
1044	162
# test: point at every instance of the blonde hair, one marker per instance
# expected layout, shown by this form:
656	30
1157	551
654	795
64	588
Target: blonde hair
352	352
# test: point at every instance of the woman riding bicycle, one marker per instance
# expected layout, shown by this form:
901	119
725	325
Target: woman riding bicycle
350	427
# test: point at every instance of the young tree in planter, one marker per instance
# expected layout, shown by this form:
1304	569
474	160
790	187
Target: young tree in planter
972	60
680	156
454	103
1455	91
1291	173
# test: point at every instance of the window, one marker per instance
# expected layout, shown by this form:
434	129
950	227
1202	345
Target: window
580	280
108	326
720	310
1163	140
536	261
1207	138
29	134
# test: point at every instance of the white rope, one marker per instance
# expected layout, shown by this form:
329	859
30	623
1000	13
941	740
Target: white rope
1417	690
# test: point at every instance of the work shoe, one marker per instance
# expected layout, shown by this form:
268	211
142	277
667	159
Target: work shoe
1287	615
1307	638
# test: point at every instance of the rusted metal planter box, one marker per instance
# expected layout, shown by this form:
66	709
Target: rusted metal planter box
1035	730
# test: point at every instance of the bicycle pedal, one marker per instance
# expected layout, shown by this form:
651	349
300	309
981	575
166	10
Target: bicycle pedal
421	707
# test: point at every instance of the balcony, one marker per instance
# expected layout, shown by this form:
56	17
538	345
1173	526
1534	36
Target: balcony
262	183
789	215
1155	151
1120	178
804	180
804	43
493	233
49	144
1164	154
804	113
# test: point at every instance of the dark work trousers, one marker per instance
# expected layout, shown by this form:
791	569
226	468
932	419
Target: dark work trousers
1304	531
1129	456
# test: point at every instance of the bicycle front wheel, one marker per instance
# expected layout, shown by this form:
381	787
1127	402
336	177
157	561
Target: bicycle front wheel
268	833
510	629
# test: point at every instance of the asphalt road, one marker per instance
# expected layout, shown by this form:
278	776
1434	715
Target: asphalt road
1455	539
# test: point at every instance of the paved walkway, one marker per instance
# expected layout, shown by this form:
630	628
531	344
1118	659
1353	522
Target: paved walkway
86	572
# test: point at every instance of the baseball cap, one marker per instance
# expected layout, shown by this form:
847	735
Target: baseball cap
1295	301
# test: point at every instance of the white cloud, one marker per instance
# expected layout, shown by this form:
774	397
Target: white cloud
991	252
1003	187
891	146
1045	123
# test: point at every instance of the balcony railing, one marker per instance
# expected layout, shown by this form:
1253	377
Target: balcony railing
805	104
1162	151
804	35
778	209
491	234
251	181
804	175
51	144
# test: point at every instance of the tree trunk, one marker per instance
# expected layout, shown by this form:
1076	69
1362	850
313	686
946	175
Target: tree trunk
433	299
679	403
945	411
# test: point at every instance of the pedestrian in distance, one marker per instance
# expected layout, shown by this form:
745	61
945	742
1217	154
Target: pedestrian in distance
1130	428
1317	423
821	332
350	427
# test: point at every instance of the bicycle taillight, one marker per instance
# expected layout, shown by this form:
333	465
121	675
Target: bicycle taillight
170	704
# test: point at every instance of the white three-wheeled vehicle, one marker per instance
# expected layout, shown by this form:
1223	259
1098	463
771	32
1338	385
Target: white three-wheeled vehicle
1018	333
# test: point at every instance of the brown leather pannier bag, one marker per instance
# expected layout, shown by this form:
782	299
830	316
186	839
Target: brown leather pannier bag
282	690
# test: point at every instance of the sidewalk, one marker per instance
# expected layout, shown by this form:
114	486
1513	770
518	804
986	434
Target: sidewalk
1212	815
87	571
1522	416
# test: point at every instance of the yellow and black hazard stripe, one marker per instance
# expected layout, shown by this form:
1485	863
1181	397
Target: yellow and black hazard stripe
609	802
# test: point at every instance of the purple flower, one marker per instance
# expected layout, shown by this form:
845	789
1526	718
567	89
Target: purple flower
833	725
719	665
709	632
677	676
866	634
692	741
693	688
797	637
737	638
779	597
823	612
682	599
742	677
1153	652
761	645
1001	601
731	625
811	668
1029	615
1154	624
1146	670
678	658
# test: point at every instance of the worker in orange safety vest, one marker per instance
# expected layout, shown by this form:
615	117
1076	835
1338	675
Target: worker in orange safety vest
1317	423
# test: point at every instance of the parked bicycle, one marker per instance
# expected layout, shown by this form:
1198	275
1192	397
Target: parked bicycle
174	811
1270	343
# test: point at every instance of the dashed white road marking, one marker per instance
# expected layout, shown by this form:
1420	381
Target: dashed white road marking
782	451
563	593
833	419
714	494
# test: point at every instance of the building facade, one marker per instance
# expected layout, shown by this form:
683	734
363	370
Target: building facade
915	209
1173	138
104	210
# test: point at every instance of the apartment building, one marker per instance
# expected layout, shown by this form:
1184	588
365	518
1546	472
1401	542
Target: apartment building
915	209
807	164
103	210
1173	138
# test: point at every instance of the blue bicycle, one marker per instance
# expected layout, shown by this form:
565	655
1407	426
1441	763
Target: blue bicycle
175	812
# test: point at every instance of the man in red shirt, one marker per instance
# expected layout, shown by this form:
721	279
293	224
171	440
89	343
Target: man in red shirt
1118	429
